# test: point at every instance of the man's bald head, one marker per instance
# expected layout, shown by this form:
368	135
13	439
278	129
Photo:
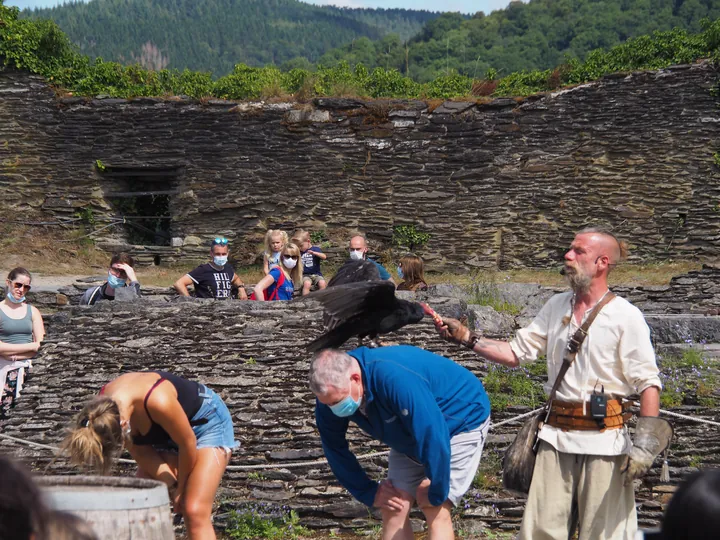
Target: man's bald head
604	244
358	241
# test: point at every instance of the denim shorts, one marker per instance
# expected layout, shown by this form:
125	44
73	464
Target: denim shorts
212	424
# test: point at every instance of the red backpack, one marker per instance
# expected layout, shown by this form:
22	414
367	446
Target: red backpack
273	295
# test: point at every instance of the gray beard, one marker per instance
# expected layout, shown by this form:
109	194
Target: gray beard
579	283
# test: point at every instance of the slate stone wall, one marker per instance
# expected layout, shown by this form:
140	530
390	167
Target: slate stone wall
502	184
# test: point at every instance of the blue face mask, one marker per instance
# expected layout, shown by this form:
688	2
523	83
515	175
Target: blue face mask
220	261
400	273
346	407
115	282
14	300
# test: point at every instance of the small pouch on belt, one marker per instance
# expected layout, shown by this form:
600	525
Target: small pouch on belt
570	416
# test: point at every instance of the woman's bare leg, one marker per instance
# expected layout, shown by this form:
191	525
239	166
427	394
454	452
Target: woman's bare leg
200	490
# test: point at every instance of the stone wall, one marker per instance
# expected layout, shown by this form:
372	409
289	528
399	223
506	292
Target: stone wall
253	354
503	183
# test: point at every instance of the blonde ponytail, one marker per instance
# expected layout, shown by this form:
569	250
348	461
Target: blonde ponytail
95	436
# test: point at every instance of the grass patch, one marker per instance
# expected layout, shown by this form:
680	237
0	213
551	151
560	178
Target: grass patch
258	520
488	474
49	250
689	379
507	387
484	291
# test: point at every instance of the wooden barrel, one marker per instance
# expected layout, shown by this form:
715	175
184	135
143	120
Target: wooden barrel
116	508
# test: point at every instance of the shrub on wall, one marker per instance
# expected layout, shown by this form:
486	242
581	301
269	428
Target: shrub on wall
42	48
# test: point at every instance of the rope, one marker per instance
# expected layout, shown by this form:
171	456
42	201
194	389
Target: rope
686	417
372	455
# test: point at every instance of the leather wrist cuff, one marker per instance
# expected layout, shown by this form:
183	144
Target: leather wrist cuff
472	341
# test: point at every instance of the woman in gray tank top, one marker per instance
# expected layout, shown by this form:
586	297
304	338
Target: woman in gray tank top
21	331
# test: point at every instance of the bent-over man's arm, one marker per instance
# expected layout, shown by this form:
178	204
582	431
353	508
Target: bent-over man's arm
343	462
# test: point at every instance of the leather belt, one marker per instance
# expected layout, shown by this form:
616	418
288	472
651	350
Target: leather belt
568	415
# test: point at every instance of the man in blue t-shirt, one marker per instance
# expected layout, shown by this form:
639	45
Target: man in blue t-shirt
358	251
434	415
214	279
311	257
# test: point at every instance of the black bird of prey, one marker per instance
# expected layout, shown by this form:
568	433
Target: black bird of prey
362	309
355	272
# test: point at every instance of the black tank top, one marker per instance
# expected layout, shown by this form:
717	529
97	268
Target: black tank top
190	401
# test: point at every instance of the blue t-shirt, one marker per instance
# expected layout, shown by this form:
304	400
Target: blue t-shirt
285	292
384	274
311	263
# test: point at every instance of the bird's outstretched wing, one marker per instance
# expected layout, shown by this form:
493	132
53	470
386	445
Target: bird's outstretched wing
355	272
343	302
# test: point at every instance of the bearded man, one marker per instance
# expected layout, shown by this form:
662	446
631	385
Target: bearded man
581	475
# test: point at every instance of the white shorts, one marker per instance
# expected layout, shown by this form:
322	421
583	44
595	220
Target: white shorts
465	450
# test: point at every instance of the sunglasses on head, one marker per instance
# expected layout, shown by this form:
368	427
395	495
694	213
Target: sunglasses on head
18	285
220	241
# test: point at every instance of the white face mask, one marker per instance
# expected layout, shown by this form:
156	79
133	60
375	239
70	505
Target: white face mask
289	263
220	260
356	255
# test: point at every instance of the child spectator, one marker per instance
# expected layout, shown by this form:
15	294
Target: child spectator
279	284
275	239
311	257
120	274
214	279
410	269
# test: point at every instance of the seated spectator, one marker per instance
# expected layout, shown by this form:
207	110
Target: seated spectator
21	332
214	279
120	274
279	284
410	269
23	514
311	257
275	239
358	251
694	510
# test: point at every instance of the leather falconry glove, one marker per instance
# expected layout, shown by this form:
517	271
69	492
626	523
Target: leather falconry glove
652	437
456	331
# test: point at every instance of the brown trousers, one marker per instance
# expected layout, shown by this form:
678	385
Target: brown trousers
594	484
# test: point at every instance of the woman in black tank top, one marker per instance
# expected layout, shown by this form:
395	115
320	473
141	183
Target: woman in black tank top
178	431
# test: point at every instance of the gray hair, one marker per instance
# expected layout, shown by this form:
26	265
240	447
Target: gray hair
331	367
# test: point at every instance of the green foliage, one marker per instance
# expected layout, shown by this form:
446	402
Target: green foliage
217	34
484	291
538	35
318	237
449	86
263	521
488	474
40	47
407	236
507	387
86	216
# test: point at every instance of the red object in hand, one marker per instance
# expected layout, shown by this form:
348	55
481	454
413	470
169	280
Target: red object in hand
437	319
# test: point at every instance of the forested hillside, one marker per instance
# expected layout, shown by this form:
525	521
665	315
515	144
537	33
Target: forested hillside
536	35
214	35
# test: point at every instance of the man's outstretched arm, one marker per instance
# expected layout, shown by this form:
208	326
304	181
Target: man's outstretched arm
493	350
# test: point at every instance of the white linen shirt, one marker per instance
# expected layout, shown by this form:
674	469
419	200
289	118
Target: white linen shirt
617	354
